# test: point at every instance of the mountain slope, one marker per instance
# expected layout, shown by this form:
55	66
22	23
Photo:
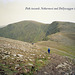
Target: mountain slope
17	57
31	31
22	58
63	32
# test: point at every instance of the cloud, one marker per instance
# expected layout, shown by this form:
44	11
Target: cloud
13	11
6	1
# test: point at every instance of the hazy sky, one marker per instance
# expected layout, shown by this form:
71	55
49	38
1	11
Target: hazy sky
14	10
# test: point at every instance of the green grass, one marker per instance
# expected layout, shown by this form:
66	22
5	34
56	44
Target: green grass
28	31
6	69
70	50
62	54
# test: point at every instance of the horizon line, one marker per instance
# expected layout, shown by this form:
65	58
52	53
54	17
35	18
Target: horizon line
38	21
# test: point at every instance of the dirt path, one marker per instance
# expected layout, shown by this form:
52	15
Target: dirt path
63	52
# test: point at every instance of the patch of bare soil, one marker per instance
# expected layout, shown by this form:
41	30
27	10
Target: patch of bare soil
58	65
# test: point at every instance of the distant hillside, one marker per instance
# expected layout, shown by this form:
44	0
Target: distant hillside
31	31
63	32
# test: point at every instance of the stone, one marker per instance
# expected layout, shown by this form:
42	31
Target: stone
6	56
16	66
30	60
9	53
14	55
26	60
43	57
41	61
66	73
48	57
40	55
12	58
20	55
45	73
60	65
27	70
30	64
33	54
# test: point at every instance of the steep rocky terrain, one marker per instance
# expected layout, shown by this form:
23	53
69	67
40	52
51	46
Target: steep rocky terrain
58	65
17	57
21	58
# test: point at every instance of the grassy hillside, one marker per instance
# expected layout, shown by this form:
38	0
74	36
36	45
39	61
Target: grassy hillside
58	48
63	32
31	31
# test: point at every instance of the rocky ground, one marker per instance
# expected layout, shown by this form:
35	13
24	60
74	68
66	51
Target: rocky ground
58	65
17	57
21	58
